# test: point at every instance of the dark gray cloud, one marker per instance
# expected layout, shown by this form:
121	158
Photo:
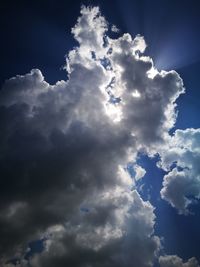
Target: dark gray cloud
65	148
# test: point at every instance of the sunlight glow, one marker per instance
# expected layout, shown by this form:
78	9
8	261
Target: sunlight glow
136	94
152	72
113	111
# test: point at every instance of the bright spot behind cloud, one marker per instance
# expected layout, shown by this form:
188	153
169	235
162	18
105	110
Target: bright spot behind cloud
63	154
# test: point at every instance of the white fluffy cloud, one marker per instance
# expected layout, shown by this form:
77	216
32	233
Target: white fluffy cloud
65	150
181	185
175	261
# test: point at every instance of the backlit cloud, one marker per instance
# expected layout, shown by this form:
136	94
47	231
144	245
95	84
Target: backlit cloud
65	150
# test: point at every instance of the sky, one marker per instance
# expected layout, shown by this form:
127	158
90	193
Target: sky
100	133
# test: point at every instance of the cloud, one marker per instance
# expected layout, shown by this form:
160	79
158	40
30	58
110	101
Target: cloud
175	261
181	185
116	222
114	28
139	172
66	147
147	103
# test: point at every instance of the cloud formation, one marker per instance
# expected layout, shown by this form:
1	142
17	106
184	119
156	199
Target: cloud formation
181	185
175	261
65	150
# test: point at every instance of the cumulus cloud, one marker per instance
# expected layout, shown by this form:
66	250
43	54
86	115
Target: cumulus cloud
147	103
181	185
175	261
115	223
65	150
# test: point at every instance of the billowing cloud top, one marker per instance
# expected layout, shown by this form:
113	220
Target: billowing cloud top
65	150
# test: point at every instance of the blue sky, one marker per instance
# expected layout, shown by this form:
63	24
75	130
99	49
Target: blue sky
37	34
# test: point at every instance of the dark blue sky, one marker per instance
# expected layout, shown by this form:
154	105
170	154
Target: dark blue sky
36	34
